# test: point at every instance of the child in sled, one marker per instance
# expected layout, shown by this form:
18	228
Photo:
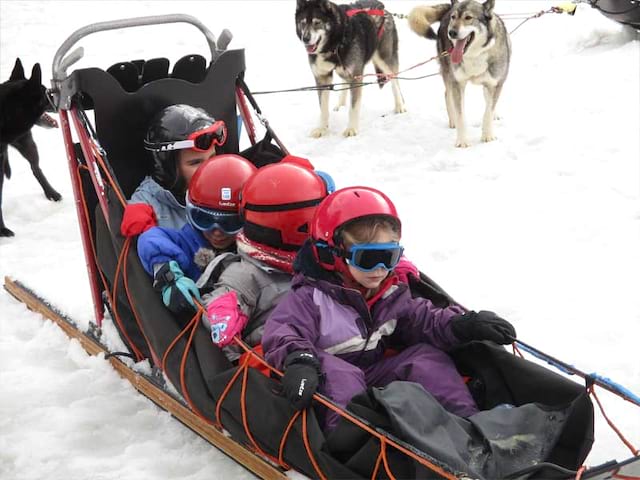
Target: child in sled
278	203
176	258
346	307
180	137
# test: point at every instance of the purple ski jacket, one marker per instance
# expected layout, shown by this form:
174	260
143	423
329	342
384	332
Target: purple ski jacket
321	317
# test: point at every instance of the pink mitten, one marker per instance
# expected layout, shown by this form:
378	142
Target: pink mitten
226	319
404	268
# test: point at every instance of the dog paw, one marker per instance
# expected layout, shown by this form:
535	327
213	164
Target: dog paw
488	138
319	132
452	125
337	108
462	144
350	132
400	109
53	196
5	232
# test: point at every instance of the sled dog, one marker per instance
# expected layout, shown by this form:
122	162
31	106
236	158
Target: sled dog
344	38
479	52
23	103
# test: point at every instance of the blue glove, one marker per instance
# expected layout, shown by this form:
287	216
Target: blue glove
176	289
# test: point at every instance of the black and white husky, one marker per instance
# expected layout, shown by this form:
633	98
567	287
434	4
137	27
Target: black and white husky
344	38
479	52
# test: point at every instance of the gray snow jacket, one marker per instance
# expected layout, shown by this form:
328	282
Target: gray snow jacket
169	212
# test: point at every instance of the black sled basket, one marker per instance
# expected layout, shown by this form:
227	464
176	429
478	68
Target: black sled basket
107	163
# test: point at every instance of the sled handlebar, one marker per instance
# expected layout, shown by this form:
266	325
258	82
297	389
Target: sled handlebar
61	63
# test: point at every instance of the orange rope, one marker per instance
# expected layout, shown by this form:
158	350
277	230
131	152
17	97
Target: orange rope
285	437
625	477
377	465
633	449
383	452
245	422
581	470
226	390
307	446
171	345
516	350
105	171
125	277
110	296
195	321
343	413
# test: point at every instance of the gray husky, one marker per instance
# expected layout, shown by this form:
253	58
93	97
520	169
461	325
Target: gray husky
344	38
479	51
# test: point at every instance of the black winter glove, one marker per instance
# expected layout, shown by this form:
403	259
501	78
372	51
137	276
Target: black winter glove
300	379
176	289
482	325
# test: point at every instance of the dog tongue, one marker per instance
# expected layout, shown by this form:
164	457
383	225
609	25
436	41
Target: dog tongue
457	51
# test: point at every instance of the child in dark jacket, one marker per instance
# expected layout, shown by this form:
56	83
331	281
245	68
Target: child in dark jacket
346	307
212	204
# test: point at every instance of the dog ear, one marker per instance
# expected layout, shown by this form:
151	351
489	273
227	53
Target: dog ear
18	71
36	75
488	7
453	2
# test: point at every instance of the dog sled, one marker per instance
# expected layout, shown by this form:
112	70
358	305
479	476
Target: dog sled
534	422
626	12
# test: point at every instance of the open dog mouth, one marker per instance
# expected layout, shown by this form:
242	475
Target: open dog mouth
460	47
311	48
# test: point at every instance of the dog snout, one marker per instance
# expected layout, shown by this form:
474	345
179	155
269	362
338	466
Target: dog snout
453	33
306	37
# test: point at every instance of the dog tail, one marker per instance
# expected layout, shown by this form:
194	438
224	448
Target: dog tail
422	17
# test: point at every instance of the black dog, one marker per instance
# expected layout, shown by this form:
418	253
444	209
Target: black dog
23	103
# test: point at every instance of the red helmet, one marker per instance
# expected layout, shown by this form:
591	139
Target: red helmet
217	183
278	203
341	207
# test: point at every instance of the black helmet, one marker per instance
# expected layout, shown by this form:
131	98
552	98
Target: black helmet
173	123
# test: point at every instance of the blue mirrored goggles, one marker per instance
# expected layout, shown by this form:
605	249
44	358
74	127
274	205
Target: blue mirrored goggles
205	219
368	257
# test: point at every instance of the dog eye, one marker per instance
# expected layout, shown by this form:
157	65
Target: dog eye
316	22
468	17
453	16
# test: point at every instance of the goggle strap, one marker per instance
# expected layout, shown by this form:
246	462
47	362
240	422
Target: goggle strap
283	206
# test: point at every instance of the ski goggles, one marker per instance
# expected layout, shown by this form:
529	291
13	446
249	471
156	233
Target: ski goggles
205	219
200	141
368	257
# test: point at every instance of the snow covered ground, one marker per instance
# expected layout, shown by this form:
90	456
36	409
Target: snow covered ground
542	226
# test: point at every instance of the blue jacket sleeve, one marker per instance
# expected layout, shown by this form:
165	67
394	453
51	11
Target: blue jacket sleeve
424	322
161	245
292	326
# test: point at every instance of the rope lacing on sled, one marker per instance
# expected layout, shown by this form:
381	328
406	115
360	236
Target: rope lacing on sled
98	155
590	387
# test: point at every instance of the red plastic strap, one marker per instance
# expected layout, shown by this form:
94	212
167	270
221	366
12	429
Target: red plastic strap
372	12
633	449
369	11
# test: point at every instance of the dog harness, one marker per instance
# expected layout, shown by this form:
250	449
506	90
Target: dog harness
372	12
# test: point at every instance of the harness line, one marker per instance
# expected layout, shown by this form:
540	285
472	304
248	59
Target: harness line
387	77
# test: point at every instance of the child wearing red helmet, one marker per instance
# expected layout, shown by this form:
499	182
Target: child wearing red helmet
212	204
278	203
346	307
